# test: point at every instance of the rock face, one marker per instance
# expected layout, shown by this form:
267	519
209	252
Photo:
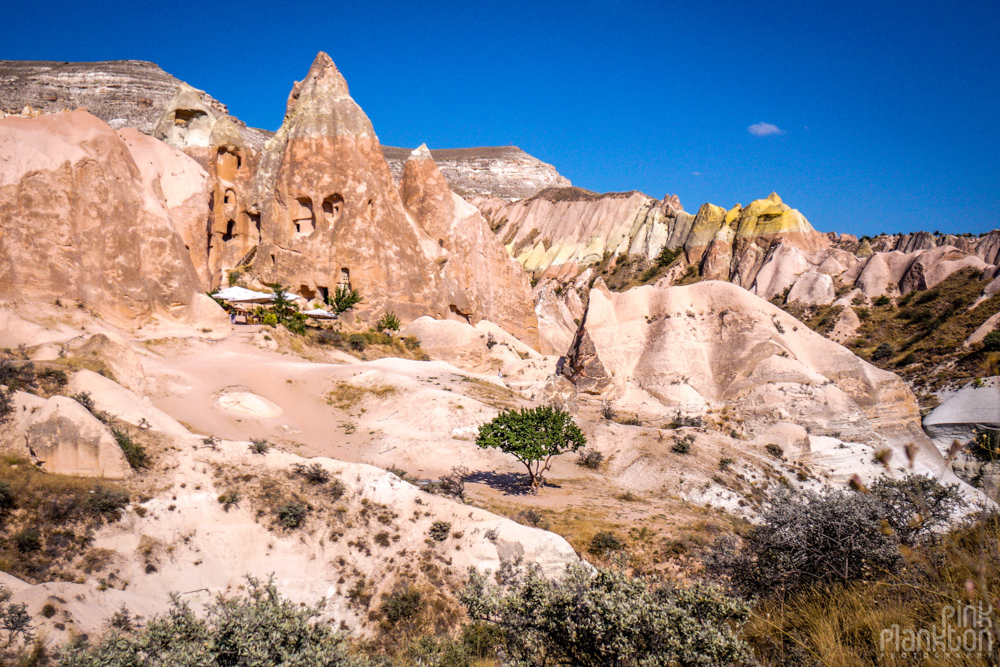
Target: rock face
968	411
331	215
713	343
560	231
122	93
77	221
64	438
504	172
497	286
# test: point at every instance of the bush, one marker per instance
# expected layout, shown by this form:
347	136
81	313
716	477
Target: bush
402	605
986	446
84	399
259	446
106	503
344	298
134	453
916	505
6	405
439	531
257	629
270	319
6	497
775	450
608	618
336	489
533	437
682	445
590	458
291	515
229	499
809	538
357	341
883	351
17	376
605	541
991	343
883	301
388	322
27	540
314	474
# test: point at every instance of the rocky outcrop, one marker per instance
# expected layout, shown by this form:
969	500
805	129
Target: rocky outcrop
697	347
497	287
78	222
561	231
64	438
504	172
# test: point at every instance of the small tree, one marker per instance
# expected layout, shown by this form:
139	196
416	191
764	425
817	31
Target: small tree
533	437
344	298
389	321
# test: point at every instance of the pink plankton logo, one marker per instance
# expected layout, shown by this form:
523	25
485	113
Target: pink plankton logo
963	629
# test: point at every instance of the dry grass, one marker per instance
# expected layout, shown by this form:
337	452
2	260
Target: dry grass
345	396
493	395
841	626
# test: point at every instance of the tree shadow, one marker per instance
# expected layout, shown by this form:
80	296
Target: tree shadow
510	483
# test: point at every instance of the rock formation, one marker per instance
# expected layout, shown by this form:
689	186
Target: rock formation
77	222
497	286
504	172
64	438
700	346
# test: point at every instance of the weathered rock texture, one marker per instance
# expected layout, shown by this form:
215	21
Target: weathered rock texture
78	221
122	93
497	286
505	172
714	344
560	231
64	438
331	215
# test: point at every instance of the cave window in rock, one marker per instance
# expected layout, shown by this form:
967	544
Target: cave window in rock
185	116
230	231
332	206
306	293
229	197
303	217
255	221
345	278
324	293
226	165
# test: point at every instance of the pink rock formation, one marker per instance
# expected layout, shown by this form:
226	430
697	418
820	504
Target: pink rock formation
77	221
497	287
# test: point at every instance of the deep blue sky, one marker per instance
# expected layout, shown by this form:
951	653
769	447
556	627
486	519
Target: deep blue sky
890	112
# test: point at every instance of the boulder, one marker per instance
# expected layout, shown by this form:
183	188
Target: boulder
113	352
116	400
64	438
933	266
969	410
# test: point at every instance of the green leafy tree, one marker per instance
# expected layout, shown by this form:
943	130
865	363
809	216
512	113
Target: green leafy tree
344	298
533	437
282	306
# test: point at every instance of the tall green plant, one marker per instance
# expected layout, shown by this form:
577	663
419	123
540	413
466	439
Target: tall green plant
344	298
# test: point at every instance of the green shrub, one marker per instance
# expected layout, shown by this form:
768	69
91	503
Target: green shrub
344	298
229	499
883	351
607	618
336	489
106	503
402	605
314	474
725	462
991	343
84	399
27	540
56	376
603	542
6	497
388	322
259	446
258	629
134	453
270	319
6	405
357	341
775	450
682	445
916	505
590	458
18	376
883	301
809	538
439	531
291	515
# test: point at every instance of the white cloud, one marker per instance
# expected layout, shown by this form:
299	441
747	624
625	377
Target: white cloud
764	129
696	173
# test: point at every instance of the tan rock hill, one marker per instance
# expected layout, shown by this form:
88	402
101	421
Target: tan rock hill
504	172
697	347
79	223
497	286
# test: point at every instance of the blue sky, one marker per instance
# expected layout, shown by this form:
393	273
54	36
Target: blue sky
888	113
